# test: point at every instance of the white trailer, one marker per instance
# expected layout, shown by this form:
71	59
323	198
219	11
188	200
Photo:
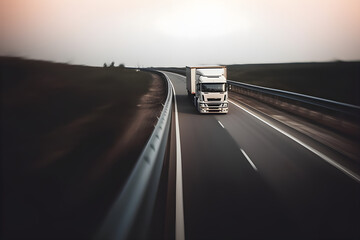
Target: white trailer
208	87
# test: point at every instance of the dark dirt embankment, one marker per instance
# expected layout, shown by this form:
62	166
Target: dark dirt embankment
70	137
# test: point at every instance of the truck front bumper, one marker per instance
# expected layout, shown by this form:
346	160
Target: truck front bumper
213	108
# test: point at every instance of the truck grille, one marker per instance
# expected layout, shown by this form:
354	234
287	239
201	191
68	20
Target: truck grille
214	104
214	99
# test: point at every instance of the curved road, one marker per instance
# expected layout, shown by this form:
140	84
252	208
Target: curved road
242	179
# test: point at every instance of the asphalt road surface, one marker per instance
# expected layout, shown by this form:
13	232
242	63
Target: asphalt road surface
243	179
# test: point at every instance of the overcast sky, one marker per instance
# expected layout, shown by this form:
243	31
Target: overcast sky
180	32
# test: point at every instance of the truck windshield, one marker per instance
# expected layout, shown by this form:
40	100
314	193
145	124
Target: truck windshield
213	87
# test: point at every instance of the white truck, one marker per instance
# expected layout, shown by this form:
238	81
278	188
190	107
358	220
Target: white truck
208	87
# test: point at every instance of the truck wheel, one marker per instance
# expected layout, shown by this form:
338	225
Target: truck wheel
190	96
197	105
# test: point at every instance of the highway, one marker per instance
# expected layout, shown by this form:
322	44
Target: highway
243	179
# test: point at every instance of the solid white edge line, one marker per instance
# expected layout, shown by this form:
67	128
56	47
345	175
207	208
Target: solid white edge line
179	204
316	152
221	124
178	74
249	160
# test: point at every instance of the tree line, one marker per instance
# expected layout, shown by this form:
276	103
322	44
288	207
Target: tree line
112	64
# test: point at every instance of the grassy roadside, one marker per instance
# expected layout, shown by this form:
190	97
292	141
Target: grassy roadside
66	145
339	81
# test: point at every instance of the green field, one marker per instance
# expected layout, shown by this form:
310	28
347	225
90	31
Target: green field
339	81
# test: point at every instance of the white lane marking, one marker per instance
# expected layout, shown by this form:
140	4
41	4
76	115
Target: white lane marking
179	204
221	124
249	160
179	75
321	155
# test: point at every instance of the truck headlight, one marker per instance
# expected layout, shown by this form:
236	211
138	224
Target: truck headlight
225	105
202	105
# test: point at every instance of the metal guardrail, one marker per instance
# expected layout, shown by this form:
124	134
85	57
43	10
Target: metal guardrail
130	216
344	108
